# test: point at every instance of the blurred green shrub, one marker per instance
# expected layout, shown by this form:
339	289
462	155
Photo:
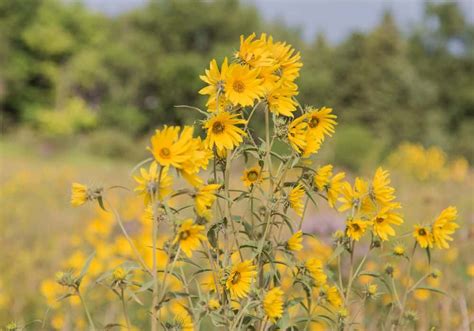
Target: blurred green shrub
112	144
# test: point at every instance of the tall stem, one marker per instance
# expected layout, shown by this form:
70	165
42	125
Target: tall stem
154	321
86	310
124	307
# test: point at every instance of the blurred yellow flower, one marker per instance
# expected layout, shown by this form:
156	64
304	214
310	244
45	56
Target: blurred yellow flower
423	236
356	228
189	236
204	198
273	304
295	242
295	198
79	194
315	269
444	226
252	176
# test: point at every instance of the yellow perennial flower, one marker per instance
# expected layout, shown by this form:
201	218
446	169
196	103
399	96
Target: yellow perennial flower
242	85
295	242
149	180
380	190
189	237
170	148
332	295
240	279
223	132
356	229
254	52
252	176
286	58
295	198
273	304
383	221
321	122
297	134
444	226
79	194
423	236
280	99
315	269
205	197
322	176
215	78
353	197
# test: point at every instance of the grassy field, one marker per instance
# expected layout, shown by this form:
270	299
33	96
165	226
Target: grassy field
39	225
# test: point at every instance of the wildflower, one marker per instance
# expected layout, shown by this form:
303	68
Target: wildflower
215	78
189	236
322	176
399	250
119	274
297	134
199	156
273	304
252	176
321	122
294	243
240	278
254	52
182	319
331	293
380	190
169	147
353	197
334	188
204	198
286	58
470	270
242	85
372	289
223	132
356	229
312	145
383	221
444	226
295	199
150	179
213	304
423	236
315	269
280	99
80	194
389	269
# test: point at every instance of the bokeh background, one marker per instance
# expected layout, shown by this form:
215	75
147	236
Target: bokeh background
83	84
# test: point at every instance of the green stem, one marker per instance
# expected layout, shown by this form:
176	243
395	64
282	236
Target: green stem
86	310
124	307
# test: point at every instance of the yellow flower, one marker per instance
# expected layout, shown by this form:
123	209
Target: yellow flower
240	279
254	52
295	198
372	289
213	304
383	221
312	145
332	295
380	190
148	182
280	99
470	270
189	236
297	134
423	236
399	250
252	176
119	274
215	78
205	197
315	269
242	86
170	148
79	194
182	320
322	176
199	156
288	62
334	188
222	131
273	304
321	122
353	197
356	229
444	226
294	243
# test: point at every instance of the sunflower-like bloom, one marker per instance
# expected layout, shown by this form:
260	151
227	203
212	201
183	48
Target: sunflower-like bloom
312	145
444	226
170	148
383	221
240	279
321	122
353	196
423	236
182	319
79	194
273	304
322	177
223	132
316	271
381	191
297	134
331	294
288	60
356	229
149	180
189	236
252	176
279	99
205	197
334	188
295	198
215	78
213	304
295	242
254	52
242	85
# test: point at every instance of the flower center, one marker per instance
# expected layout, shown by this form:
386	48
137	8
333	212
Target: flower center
184	235
218	127
238	86
236	277
165	152
313	122
355	227
422	232
252	175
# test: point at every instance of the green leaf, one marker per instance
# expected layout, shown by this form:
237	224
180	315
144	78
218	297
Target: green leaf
86	266
338	251
432	289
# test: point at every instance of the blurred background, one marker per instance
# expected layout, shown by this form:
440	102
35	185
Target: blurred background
84	83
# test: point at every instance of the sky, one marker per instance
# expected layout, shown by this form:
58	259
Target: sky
336	18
